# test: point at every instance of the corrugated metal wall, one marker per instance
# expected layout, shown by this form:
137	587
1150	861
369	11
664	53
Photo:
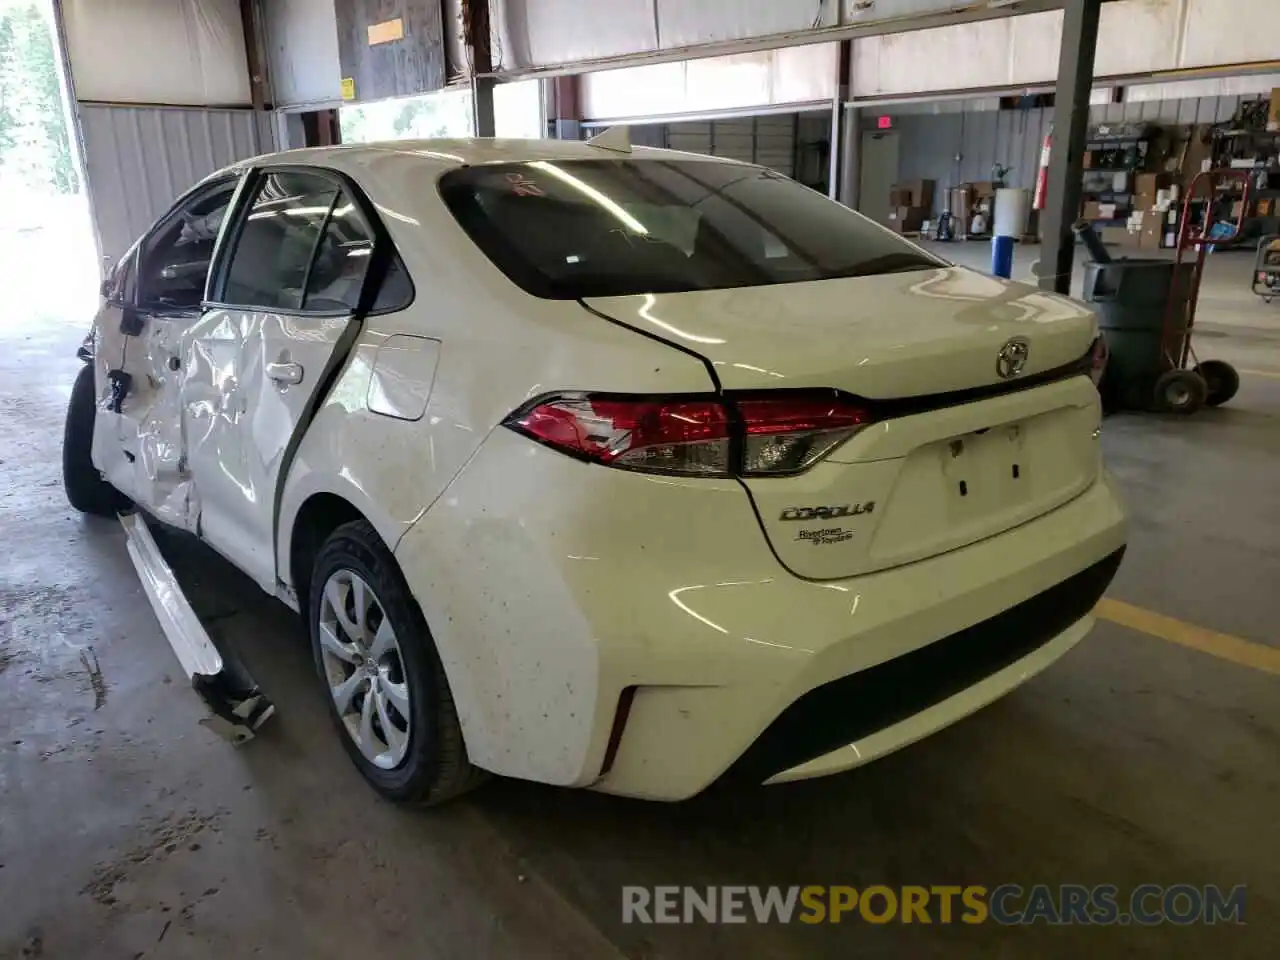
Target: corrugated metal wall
777	141
138	159
769	140
959	141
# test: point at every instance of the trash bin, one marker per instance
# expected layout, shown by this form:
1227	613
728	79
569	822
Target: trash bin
1130	298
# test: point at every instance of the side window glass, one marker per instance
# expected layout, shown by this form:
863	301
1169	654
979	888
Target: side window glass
121	283
269	265
342	260
173	263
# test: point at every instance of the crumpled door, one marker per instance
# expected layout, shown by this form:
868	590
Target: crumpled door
139	441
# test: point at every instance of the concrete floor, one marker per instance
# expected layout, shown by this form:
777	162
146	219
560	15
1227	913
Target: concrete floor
127	830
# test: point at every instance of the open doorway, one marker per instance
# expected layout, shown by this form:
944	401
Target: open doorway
47	245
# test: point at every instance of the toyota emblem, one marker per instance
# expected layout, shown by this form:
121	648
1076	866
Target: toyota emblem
1012	358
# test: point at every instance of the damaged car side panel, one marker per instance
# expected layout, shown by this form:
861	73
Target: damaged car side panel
247	390
139	441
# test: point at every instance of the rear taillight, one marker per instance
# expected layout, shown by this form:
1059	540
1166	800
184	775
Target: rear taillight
749	434
788	433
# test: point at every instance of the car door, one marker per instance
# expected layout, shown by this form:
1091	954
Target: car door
279	325
152	301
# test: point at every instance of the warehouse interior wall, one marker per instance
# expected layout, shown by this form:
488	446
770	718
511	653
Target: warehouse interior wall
960	141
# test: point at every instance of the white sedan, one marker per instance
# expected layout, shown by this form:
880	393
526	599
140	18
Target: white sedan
608	468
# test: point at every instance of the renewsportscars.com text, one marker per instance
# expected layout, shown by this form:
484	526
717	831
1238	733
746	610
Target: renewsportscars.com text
1009	904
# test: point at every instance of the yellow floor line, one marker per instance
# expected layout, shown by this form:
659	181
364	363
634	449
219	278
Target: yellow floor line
1246	653
1273	374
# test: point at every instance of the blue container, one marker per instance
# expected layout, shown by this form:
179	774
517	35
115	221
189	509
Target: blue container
1002	256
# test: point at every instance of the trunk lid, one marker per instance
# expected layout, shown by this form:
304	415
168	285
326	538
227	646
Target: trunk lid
892	335
920	483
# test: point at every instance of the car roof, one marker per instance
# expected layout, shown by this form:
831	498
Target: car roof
466	152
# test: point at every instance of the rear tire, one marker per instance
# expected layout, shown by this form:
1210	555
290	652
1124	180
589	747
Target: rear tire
87	491
1221	379
1180	391
423	758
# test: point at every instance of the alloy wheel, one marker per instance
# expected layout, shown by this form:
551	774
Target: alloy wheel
364	669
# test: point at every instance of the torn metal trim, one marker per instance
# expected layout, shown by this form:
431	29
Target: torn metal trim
239	708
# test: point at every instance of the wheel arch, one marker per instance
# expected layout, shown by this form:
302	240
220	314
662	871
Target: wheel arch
307	521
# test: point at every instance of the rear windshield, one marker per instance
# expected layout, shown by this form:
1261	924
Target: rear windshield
566	229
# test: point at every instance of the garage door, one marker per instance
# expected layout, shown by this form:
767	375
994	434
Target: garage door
156	114
137	160
769	140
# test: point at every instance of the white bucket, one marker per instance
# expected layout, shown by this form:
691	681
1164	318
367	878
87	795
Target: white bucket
1012	207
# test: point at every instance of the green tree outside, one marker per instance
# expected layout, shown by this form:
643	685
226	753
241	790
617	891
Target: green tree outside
35	148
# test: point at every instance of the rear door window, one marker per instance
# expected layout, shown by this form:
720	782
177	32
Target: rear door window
268	268
587	228
305	247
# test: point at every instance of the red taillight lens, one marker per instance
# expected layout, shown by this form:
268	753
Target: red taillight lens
750	434
667	436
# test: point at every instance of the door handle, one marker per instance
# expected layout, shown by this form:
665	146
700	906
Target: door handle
285	372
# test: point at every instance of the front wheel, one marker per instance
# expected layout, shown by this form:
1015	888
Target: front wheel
381	674
1180	391
1221	379
86	490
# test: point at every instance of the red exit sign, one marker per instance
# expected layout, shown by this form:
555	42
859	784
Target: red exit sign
884	123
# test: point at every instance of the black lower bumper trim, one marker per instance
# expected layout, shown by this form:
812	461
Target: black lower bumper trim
846	710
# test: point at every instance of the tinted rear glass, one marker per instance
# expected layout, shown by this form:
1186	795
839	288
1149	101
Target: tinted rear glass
596	228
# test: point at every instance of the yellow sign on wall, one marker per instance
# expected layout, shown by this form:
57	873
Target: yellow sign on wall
386	31
348	88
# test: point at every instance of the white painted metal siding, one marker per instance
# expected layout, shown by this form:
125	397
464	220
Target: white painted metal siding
1229	31
547	33
742	81
187	52
302	52
139	159
1135	37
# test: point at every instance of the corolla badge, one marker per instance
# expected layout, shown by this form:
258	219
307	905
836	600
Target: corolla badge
1012	358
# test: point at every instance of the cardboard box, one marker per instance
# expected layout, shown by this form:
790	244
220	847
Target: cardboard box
1264	207
1089	159
1092	210
1150	184
983	188
1237	208
913	193
1116	235
1273	114
907	219
1151	236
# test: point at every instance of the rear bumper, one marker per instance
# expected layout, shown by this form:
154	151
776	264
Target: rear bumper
865	715
895	656
549	597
